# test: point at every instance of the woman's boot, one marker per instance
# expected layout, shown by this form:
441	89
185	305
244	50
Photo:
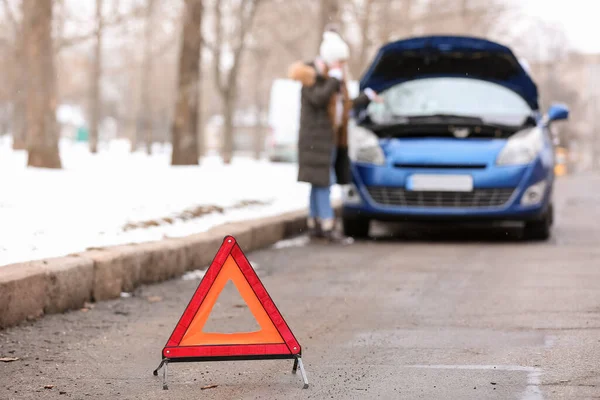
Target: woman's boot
333	235
314	228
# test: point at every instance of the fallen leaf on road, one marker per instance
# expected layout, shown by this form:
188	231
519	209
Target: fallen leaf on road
48	386
88	305
84	310
154	299
9	359
208	387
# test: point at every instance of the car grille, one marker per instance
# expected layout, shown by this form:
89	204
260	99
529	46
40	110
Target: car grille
393	196
440	166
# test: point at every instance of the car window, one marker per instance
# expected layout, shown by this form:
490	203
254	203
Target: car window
454	96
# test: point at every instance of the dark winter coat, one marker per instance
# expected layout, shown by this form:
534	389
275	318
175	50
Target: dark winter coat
318	136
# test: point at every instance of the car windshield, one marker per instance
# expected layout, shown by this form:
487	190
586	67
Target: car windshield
462	97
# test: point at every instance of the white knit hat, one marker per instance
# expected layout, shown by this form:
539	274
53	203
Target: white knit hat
333	48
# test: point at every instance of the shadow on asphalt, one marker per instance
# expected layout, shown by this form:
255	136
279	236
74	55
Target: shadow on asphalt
446	233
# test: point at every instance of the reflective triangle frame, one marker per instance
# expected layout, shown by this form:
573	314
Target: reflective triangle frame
287	347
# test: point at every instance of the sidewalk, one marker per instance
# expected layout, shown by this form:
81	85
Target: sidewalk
116	198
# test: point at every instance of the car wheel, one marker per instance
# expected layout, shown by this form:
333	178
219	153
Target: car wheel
540	230
356	227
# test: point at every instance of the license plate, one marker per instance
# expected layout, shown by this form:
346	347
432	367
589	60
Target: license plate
441	183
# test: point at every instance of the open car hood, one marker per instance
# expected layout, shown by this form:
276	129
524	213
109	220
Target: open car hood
445	56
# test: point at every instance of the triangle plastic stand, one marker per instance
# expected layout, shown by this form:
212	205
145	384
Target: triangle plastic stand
188	342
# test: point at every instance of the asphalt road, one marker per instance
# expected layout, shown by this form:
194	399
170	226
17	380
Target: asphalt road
416	313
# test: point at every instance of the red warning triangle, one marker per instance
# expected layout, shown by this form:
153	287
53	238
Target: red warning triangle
188	340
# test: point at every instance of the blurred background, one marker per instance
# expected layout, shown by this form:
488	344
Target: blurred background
100	98
109	69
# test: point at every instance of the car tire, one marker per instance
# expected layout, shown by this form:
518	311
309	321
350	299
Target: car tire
542	229
356	227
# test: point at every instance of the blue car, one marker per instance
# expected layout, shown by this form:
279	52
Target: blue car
459	136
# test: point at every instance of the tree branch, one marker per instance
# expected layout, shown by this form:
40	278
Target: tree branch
244	27
75	40
11	15
208	45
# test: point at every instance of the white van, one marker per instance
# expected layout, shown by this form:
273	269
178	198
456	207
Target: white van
284	119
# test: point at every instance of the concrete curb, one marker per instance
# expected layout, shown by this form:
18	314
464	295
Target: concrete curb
30	290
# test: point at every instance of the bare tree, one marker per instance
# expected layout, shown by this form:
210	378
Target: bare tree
261	57
362	12
115	21
144	131
226	78
42	129
18	80
460	17
329	14
95	93
185	124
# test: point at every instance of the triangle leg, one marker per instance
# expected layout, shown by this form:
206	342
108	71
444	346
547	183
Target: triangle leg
165	386
295	367
302	372
155	372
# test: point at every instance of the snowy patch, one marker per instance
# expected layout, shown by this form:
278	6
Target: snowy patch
52	213
192	275
299	241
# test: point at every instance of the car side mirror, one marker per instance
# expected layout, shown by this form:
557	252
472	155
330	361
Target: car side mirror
557	112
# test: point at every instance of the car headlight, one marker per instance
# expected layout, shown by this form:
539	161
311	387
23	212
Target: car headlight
534	194
522	148
363	146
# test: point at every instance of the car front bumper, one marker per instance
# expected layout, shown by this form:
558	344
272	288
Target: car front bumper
379	193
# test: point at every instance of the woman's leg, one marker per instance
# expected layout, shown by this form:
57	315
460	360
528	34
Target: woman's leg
329	230
326	214
313	210
314	228
329	220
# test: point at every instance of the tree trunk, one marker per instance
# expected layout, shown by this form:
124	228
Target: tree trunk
228	114
146	114
131	110
328	15
200	118
465	17
19	124
19	127
408	25
260	60
365	42
95	94
185	124
42	128
228	87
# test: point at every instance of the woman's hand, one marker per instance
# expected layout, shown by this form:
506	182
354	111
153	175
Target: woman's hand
373	96
377	98
336	70
336	73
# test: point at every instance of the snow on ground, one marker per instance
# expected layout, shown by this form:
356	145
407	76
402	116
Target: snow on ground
293	242
48	213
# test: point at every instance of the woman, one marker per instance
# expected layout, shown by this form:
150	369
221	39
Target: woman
323	137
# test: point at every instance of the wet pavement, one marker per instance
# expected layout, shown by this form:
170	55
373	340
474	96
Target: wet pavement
417	312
